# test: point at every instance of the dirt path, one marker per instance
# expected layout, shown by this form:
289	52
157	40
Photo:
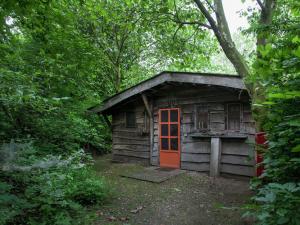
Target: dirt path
188	199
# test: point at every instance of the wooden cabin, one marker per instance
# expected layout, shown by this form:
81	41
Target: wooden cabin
192	121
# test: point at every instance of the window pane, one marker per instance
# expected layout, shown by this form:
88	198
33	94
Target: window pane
202	120
164	130
164	116
174	115
202	117
174	144
174	129
165	144
130	119
234	116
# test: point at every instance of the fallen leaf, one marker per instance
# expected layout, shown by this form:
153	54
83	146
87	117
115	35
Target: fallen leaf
124	218
99	213
139	208
134	211
112	218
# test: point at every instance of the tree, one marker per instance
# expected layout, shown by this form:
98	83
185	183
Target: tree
222	33
136	38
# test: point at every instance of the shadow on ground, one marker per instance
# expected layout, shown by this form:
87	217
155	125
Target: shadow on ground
188	199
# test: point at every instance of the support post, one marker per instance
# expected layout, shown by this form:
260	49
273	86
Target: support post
146	103
149	112
215	156
107	121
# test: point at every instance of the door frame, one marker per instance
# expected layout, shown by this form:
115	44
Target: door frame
171	152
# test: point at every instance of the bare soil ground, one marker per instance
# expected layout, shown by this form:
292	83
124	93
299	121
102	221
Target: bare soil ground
188	199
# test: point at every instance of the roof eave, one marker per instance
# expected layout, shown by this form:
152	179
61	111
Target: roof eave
216	80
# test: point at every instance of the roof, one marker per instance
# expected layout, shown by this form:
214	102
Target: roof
224	80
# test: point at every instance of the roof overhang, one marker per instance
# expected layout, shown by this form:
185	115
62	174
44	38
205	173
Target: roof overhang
223	80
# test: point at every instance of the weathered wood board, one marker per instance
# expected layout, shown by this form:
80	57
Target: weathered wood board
130	143
195	153
237	156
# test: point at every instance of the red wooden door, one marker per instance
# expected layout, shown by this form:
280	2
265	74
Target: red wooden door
169	137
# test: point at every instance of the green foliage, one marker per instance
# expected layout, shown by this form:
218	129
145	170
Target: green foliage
44	59
49	189
59	58
277	73
279	203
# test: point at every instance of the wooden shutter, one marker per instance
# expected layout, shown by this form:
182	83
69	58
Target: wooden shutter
234	116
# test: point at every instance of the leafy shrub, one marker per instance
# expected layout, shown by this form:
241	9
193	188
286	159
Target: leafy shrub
49	189
279	204
87	190
278	75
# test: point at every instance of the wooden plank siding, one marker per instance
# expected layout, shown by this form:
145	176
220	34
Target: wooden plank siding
195	152
238	157
130	144
134	144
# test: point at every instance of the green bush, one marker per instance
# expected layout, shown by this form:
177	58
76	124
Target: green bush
279	204
277	72
49	189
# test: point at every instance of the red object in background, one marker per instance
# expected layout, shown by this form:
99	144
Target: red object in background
260	139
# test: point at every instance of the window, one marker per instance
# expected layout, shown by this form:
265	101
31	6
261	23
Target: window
201	120
233	116
130	119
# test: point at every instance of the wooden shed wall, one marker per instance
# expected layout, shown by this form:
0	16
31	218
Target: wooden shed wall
130	144
237	156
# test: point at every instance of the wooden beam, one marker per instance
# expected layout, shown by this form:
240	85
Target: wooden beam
146	103
215	156
108	123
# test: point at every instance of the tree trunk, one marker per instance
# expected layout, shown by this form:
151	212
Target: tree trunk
118	79
222	33
267	9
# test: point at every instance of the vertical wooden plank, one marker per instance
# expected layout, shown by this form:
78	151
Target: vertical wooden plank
215	157
151	121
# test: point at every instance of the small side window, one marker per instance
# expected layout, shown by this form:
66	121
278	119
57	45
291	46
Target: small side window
233	116
202	119
130	119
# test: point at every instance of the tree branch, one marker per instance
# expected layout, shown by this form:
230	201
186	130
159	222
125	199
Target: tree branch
210	5
178	28
222	33
222	21
210	19
260	4
191	23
